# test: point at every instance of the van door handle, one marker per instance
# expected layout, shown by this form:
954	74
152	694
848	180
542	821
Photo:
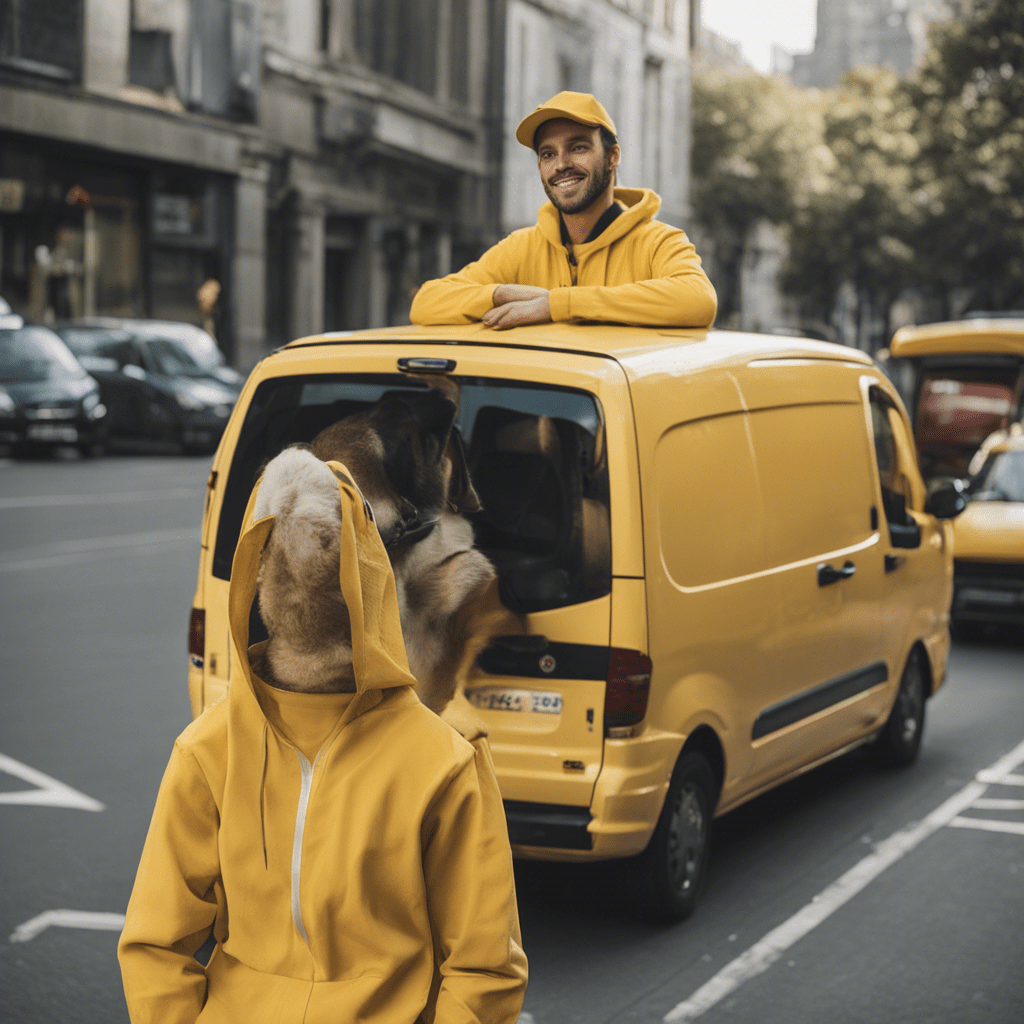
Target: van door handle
830	574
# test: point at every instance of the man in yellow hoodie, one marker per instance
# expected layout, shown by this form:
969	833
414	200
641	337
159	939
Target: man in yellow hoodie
596	251
348	850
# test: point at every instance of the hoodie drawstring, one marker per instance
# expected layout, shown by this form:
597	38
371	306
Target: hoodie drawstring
263	787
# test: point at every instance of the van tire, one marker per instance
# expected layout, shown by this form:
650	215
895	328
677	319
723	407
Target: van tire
670	872
900	739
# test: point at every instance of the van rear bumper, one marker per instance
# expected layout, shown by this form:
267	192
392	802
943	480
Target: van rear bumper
548	825
622	815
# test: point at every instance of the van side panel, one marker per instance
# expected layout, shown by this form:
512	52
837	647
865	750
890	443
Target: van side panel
709	611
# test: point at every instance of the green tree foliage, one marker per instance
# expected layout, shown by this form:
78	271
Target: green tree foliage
860	228
970	99
882	183
757	155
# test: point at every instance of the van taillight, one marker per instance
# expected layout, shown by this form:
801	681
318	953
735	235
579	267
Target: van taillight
629	683
197	637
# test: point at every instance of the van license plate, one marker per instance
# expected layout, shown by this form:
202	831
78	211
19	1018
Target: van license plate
498	698
51	432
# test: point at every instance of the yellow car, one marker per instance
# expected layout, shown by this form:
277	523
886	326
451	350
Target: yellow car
729	565
989	540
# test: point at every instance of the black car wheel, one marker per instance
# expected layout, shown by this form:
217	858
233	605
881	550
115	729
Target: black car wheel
671	871
900	739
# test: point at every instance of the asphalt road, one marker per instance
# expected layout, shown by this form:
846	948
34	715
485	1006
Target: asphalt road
813	912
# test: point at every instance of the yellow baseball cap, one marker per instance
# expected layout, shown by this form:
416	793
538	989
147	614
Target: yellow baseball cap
575	106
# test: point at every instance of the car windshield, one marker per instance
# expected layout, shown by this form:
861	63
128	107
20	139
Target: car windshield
1001	478
90	341
186	353
535	454
30	354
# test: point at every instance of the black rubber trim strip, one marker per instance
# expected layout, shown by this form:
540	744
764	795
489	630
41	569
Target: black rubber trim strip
506	657
555	825
786	712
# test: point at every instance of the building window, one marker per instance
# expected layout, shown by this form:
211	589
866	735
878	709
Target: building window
400	39
458	79
42	37
652	124
204	55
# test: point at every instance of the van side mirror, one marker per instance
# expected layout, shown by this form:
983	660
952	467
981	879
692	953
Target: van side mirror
947	501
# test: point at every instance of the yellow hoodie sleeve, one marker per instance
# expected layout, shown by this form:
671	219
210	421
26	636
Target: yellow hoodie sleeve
173	903
471	891
678	293
464	297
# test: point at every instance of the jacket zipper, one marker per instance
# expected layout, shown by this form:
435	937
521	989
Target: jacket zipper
300	825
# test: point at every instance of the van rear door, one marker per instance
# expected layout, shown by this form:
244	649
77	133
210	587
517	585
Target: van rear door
552	453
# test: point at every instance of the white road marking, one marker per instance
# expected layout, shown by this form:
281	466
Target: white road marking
995	778
67	919
48	792
68	552
1015	828
759	957
999	805
57	500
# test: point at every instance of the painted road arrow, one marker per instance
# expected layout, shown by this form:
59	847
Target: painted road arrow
48	792
67	919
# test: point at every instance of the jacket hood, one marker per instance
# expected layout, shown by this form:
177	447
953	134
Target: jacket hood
638	205
379	659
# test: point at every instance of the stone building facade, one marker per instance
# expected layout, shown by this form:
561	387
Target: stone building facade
889	34
634	55
318	158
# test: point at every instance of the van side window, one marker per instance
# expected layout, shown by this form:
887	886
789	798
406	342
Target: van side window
894	482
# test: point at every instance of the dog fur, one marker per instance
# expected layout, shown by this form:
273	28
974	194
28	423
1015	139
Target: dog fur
406	459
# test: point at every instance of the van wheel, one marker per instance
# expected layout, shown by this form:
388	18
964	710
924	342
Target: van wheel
900	739
671	870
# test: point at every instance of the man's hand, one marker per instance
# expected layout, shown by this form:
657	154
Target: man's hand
516	314
516	305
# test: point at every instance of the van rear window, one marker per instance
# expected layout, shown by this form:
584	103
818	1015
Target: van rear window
536	458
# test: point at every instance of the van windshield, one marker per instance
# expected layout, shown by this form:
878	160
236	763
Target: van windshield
536	458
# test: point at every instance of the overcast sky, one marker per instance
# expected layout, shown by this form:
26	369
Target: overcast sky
755	25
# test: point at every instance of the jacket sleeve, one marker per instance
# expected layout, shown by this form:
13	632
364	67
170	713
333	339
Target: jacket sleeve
173	903
471	893
464	297
678	294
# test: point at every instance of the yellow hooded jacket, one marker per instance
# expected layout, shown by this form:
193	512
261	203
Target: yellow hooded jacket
638	271
374	884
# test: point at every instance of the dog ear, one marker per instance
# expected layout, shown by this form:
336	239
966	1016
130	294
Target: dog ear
434	415
462	496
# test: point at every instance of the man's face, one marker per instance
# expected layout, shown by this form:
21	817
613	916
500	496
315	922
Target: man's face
575	169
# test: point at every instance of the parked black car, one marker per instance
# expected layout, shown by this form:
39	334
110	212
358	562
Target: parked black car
46	397
160	380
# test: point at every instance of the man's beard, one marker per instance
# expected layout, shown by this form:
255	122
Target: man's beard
593	190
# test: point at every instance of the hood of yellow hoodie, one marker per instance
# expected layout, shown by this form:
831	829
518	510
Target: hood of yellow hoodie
379	658
638	205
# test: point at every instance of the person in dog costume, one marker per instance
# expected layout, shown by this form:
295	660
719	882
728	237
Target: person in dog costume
596	251
349	850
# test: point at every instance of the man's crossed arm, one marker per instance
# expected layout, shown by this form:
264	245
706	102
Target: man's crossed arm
518	304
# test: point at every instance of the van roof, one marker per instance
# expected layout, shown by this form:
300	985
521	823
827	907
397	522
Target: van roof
705	347
960	337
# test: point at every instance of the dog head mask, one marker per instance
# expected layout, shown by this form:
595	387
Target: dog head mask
408	461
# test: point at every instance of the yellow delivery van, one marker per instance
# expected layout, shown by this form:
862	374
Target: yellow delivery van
727	563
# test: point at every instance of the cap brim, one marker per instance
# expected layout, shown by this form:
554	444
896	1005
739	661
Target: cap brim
529	124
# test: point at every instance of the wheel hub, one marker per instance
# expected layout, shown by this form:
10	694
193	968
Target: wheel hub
686	839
